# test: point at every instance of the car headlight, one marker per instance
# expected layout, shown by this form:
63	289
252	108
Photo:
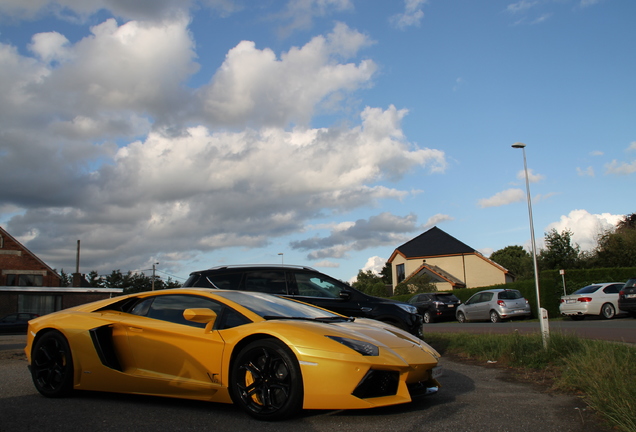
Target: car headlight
407	307
361	347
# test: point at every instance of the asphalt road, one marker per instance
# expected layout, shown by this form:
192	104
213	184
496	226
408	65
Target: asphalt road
472	398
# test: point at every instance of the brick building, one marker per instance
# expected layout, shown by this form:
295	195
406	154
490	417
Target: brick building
28	284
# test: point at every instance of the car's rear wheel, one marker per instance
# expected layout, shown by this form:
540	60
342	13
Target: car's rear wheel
428	317
608	311
266	381
461	317
52	365
494	317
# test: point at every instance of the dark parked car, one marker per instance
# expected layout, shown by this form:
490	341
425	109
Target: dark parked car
435	306
627	297
310	286
16	323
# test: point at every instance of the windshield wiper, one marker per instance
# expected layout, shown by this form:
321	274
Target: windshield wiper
319	319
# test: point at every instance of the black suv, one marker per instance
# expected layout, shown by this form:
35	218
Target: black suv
310	286
627	297
435	306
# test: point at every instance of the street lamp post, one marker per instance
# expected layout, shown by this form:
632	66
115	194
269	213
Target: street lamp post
282	258
545	332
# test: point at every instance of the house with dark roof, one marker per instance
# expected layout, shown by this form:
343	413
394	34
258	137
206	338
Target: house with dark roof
449	263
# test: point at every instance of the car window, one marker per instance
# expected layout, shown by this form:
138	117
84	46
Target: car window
229	281
588	289
448	298
509	295
474	299
268	281
10	318
171	307
486	297
312	285
612	289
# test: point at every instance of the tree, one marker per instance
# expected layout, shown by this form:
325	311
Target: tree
387	273
370	283
560	252
67	280
516	259
617	248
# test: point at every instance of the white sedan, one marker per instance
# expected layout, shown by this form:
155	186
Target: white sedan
596	299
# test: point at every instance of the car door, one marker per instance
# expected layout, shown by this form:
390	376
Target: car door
179	356
477	307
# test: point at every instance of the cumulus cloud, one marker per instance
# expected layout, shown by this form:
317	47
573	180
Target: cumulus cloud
502	198
532	176
436	220
587	172
103	141
620	168
412	15
252	81
300	14
383	229
521	6
585	227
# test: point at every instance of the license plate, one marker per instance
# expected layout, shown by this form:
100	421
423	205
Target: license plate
436	372
450	306
519	311
570	301
630	295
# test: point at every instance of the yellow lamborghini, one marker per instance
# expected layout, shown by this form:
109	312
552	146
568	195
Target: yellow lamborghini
270	355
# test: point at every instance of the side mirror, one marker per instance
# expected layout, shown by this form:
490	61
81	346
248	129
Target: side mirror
345	295
201	315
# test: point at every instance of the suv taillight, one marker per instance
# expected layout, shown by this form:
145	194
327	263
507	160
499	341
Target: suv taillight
585	299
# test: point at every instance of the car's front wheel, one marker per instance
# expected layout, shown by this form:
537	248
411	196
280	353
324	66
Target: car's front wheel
608	311
461	317
266	381
52	365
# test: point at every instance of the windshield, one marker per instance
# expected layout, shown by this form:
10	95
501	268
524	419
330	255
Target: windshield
270	306
587	290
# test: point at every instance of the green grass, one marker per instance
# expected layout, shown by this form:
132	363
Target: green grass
603	372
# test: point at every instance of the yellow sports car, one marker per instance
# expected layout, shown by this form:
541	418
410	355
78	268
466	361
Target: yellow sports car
270	355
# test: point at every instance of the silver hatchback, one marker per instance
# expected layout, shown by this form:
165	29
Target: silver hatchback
494	305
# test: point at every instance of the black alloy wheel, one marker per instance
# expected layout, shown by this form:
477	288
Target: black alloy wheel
266	381
428	317
52	365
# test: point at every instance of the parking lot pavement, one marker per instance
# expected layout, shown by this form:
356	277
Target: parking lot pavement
473	397
12	343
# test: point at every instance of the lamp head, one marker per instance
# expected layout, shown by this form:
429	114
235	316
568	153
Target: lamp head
518	145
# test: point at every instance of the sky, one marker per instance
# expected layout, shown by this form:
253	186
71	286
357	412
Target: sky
195	133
